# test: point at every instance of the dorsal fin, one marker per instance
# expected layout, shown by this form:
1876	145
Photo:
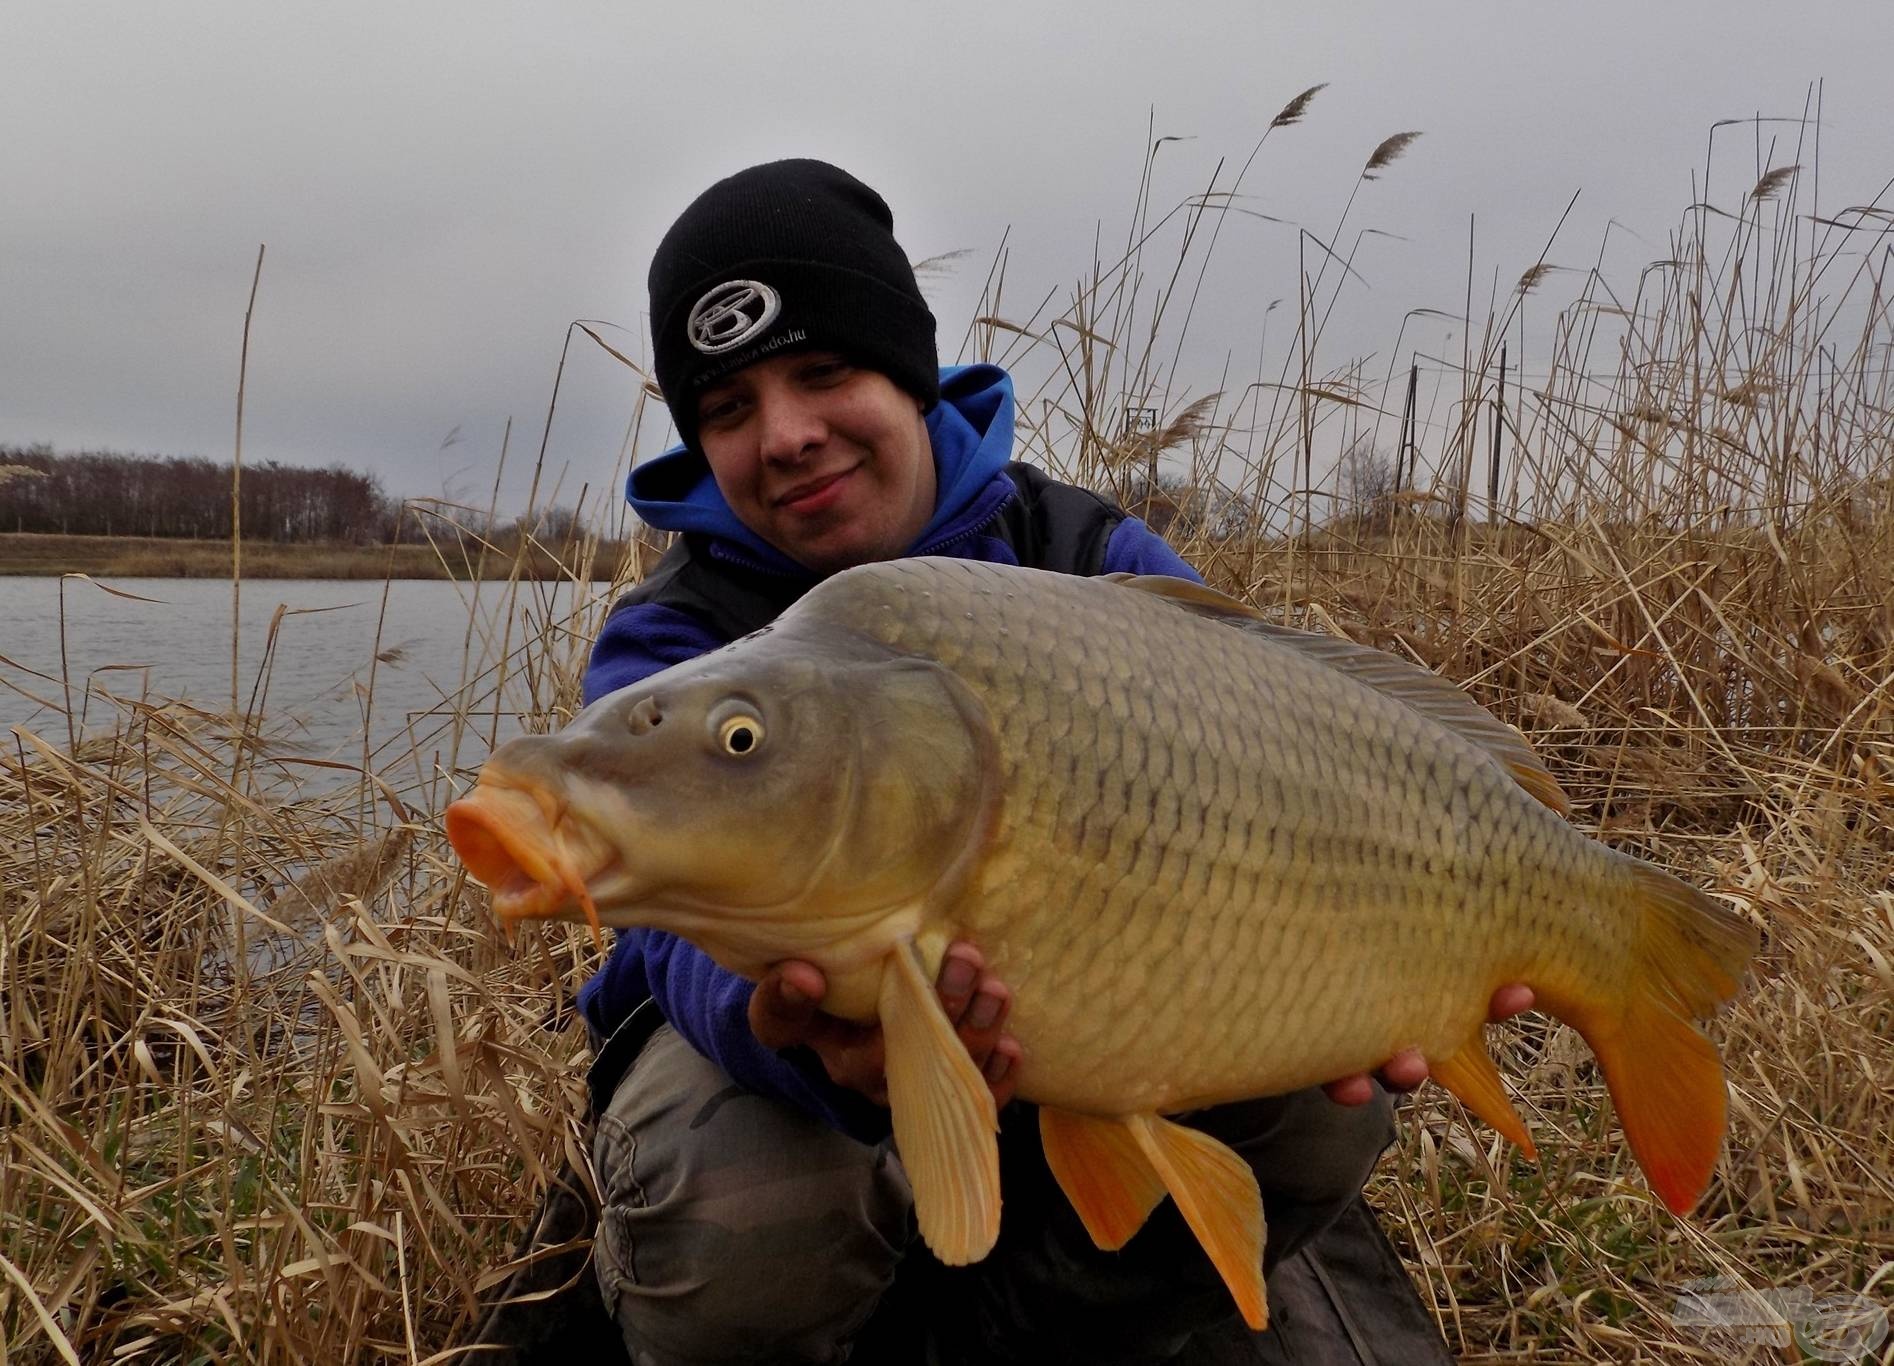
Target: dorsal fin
1423	690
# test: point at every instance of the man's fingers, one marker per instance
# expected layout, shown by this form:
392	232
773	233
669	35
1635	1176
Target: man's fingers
1002	1069
1404	1071
1512	999
859	1063
1355	1090
802	983
989	1009
960	973
977	1003
984	1023
784	1008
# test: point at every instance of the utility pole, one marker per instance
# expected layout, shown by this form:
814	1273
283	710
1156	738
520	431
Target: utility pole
1499	424
1408	440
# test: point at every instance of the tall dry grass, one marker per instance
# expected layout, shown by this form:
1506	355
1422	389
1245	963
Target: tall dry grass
273	1091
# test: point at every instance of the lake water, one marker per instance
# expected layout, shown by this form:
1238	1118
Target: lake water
315	682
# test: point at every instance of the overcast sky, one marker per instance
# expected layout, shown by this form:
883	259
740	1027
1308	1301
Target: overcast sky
444	187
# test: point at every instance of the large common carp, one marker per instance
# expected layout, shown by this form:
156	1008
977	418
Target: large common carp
1213	858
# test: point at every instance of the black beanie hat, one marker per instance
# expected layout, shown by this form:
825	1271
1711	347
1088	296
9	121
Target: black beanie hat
790	255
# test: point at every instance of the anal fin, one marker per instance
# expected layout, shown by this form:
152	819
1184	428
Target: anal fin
944	1118
1103	1172
1217	1193
1470	1075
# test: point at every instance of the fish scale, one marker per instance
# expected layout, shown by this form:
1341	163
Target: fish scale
1130	840
1211	858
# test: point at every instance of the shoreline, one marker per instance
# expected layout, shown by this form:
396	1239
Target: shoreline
37	555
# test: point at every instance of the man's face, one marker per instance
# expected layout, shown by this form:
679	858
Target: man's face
828	462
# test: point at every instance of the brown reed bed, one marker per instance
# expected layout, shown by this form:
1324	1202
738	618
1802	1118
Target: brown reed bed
273	1090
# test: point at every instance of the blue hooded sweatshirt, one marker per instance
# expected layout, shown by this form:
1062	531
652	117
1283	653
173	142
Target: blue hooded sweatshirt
971	430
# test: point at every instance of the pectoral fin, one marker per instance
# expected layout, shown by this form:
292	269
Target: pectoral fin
1219	1198
1470	1075
1103	1172
944	1119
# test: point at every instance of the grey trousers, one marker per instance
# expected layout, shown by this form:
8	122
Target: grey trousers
734	1229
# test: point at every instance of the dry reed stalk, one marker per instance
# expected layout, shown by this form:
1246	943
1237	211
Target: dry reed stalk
1388	151
1292	112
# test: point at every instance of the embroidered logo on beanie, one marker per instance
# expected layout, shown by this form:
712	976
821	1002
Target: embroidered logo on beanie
730	314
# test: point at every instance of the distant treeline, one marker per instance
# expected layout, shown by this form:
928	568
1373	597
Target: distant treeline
102	493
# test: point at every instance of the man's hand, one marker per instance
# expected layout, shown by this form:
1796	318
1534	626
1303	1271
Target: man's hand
1407	1069
785	1010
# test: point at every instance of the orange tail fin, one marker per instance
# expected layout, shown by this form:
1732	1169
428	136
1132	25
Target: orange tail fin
1664	1076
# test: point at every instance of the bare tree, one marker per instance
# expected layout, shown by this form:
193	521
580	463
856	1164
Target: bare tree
1366	485
1178	507
103	493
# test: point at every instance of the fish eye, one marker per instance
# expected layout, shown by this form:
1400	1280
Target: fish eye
740	734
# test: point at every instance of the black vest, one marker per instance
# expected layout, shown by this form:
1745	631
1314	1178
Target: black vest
1049	526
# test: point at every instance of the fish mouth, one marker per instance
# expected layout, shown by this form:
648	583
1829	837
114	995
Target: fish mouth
521	843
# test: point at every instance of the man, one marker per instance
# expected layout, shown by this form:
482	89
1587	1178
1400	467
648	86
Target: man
752	1209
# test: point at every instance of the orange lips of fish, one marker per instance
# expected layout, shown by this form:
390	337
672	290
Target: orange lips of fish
516	841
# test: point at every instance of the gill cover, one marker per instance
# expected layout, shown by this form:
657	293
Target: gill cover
783	796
